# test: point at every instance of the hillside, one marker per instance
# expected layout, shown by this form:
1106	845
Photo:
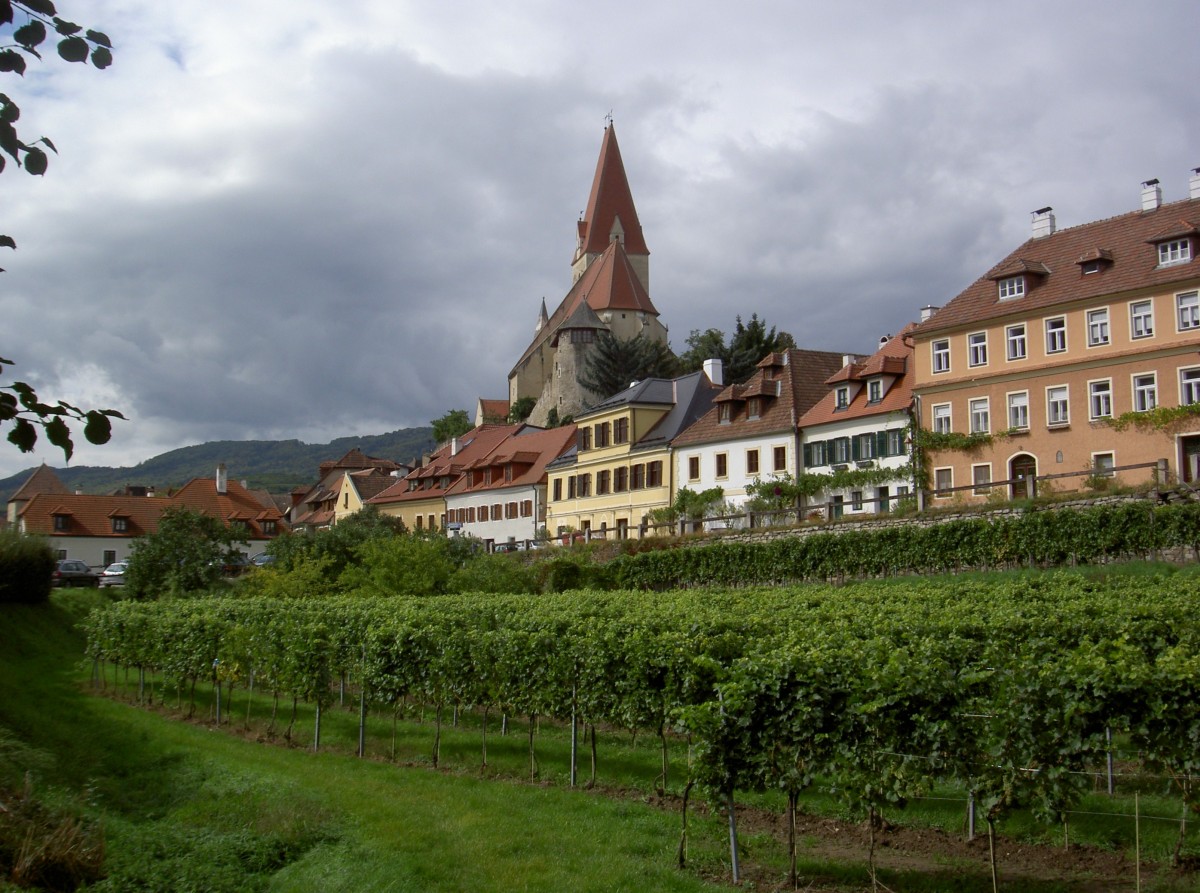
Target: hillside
275	465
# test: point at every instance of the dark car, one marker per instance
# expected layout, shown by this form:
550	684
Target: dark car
73	572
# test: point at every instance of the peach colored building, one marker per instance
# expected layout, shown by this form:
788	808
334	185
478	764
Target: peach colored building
1074	328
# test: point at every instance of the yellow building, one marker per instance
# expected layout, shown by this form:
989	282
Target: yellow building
621	468
1072	330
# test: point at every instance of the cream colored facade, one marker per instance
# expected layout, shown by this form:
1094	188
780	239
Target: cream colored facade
418	514
612	488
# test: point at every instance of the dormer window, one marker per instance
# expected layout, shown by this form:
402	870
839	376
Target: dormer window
62	522
841	398
754	407
725	413
1012	287
1174	251
874	390
120	525
269	528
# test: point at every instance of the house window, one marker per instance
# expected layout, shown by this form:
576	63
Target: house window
895	442
1012	287
572	487
1145	392
866	446
1097	327
483	509
584	487
621	431
941	356
602	435
654	474
620	479
1100	398
1103	464
497	513
874	391
941	418
814	454
269	528
725	412
722	465
1056	334
527	508
981	477
1176	251
1189	386
1014	336
603	479
856	500
120	525
420	522
557	494
841	450
754	407
693	468
110	555
1141	319
943	479
780	458
637	477
61	522
980	416
1189	310
842	398
584	438
977	349
1018	410
751	461
1057	406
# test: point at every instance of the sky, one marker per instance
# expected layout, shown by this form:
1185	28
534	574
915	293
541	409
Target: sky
312	220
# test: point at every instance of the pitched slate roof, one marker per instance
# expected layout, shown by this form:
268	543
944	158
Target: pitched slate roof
789	382
1127	240
893	359
687	398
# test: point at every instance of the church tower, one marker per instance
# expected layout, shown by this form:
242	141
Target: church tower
610	291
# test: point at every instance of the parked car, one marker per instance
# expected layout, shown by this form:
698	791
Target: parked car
262	560
114	574
73	572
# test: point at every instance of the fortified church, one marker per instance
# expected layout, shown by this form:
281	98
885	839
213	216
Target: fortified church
610	293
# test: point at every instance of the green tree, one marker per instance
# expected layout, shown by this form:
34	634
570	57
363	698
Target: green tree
21	411
616	362
520	410
750	342
185	554
453	424
413	564
336	547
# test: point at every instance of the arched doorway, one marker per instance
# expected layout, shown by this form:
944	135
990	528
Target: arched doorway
1022	469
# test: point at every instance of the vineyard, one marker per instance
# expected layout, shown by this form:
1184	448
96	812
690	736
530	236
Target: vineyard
1012	690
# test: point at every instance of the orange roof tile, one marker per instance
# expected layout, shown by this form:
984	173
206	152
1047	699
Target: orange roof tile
891	359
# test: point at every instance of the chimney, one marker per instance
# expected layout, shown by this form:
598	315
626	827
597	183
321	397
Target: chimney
927	312
1151	195
222	479
453	446
715	370
848	358
1043	222
1194	183
884	339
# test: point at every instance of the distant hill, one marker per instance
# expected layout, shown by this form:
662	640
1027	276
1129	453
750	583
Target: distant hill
274	465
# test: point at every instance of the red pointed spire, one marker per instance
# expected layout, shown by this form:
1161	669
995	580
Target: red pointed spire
610	207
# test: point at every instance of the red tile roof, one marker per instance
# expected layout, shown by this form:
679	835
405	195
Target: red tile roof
529	450
893	358
472	446
43	480
1128	240
610	199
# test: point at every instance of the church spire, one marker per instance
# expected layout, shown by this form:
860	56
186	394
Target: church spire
543	318
611	215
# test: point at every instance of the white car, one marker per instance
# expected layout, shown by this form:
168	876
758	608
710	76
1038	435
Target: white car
114	574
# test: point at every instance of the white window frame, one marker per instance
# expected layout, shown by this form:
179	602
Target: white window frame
1145	391
874	390
1056	338
1016	341
1189	386
1174	251
1187	311
1098	331
940	355
1100	399
982	484
1058	409
977	349
841	397
940	421
1141	319
981	415
1011	288
1018	410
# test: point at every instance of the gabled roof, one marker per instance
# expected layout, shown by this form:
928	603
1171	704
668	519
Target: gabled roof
93	515
450	460
892	359
610	199
532	449
43	480
610	283
687	398
1127	241
369	482
797	376
236	503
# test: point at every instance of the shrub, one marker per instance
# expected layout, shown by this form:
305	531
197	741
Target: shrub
26	566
